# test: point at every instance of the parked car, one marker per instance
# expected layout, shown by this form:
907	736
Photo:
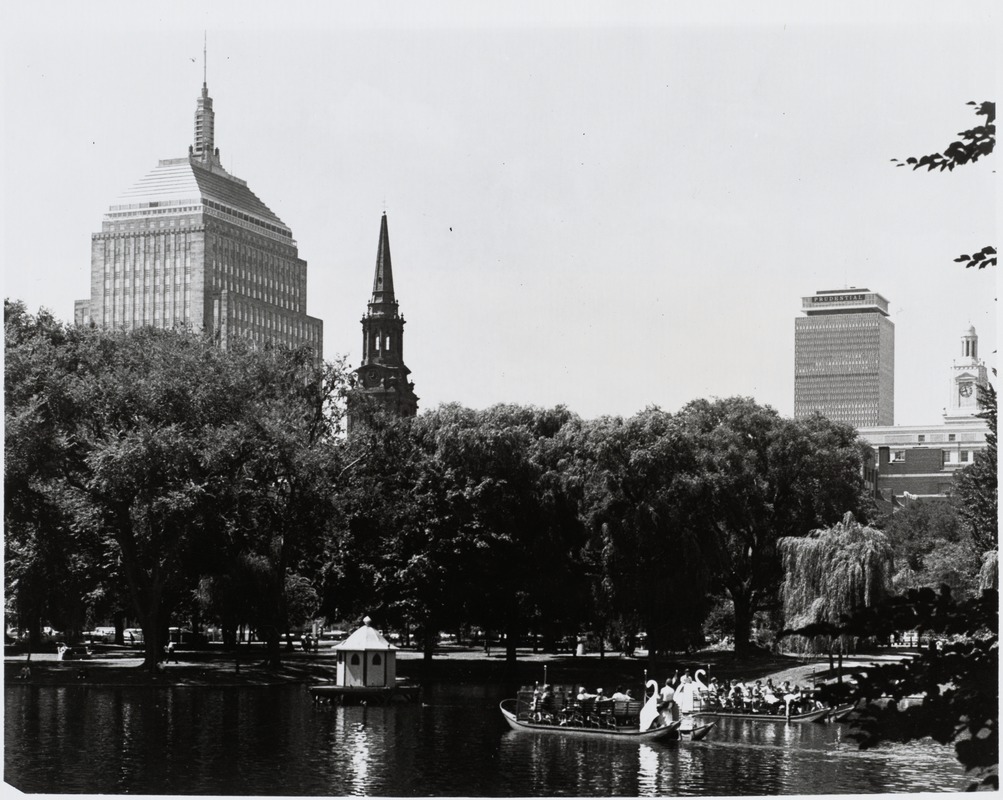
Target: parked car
134	636
100	634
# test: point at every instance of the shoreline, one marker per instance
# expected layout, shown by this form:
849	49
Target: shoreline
209	667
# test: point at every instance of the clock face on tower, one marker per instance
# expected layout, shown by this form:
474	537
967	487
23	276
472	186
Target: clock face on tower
965	390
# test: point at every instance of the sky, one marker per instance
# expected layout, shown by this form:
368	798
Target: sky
606	206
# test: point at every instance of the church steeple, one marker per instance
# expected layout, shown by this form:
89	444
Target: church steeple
383	376
383	301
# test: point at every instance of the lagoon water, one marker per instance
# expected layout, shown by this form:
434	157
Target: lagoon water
275	741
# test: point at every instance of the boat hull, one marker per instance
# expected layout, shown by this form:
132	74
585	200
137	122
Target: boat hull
618	734
818	715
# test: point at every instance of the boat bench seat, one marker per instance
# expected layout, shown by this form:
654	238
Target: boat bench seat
626	712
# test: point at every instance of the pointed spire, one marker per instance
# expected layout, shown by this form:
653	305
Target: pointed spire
204	149
383	280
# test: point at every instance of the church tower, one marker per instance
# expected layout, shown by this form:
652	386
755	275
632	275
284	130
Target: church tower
966	375
382	375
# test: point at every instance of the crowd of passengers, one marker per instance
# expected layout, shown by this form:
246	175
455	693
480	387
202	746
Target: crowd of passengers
680	694
759	697
564	706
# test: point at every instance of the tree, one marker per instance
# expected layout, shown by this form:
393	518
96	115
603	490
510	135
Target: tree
758	478
973	145
647	566
976	485
832	572
957	676
932	545
164	453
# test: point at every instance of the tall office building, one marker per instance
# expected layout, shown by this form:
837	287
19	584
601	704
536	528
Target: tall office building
190	245
844	358
383	376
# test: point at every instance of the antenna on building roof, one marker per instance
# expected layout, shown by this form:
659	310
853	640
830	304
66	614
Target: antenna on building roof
204	59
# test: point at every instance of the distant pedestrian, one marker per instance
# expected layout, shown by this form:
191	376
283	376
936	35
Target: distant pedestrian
170	653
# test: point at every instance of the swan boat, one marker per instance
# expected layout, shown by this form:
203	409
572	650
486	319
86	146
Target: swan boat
689	697
626	732
560	713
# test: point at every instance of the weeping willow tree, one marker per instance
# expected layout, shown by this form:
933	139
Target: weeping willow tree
831	573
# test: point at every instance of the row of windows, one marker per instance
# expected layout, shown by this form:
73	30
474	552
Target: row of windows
964	456
133	317
152	253
230	212
260	275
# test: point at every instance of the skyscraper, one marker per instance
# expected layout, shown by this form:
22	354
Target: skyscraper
383	376
844	358
190	245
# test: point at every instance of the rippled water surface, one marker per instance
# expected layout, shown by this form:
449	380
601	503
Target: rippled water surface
103	740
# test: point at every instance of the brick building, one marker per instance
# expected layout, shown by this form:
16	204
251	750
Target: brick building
191	246
921	460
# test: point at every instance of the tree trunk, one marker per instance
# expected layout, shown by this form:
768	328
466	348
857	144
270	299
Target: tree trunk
743	621
427	647
152	649
511	641
273	648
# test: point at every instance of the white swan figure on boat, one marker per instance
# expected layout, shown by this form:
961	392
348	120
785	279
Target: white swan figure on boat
649	713
699	681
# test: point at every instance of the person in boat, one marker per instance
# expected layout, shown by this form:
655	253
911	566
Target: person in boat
792	701
685	695
666	694
710	696
620	696
584	696
666	702
771	701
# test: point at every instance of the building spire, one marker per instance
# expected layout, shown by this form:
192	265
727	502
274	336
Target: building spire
204	149
383	280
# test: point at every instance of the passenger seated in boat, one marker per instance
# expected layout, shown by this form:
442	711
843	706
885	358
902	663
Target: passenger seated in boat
620	695
792	701
543	704
772	703
735	696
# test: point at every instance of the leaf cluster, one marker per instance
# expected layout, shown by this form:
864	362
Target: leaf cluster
974	144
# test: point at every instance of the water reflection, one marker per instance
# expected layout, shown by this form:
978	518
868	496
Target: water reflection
275	741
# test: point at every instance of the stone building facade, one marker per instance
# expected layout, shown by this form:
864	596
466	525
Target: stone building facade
191	246
844	358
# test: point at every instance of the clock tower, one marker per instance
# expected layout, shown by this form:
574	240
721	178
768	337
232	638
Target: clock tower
383	383
967	374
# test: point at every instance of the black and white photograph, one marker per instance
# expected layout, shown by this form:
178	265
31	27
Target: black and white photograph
458	399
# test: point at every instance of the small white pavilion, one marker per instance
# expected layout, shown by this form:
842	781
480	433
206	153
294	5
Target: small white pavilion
366	659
